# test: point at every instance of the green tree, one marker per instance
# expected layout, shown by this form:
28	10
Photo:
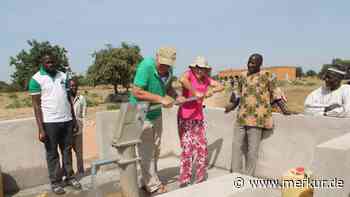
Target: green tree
311	73
27	62
115	66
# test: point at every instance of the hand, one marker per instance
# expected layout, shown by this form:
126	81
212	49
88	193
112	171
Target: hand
229	108
209	93
167	101
42	136
75	126
331	107
180	99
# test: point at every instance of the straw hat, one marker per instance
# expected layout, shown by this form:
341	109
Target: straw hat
167	55
201	62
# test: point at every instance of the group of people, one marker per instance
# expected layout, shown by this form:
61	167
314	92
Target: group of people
59	111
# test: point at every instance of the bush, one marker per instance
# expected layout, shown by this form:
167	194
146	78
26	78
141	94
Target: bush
113	106
19	103
282	83
94	95
13	96
14	104
310	84
91	102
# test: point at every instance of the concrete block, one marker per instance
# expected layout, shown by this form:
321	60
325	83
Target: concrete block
224	187
25	155
1	185
332	164
293	141
290	144
105	125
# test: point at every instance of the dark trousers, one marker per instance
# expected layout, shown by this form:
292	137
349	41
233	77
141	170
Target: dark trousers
59	135
78	149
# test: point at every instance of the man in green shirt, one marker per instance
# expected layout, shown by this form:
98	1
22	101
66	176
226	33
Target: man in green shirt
152	83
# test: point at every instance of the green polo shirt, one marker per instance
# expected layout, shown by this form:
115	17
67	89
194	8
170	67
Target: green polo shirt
148	79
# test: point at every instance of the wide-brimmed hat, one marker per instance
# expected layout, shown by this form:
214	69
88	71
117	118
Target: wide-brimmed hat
166	55
200	62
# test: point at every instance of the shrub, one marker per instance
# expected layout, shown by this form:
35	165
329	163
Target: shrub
94	95
12	96
19	103
91	102
113	106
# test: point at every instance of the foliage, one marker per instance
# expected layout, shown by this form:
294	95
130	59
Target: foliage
311	73
113	106
27	63
90	102
82	80
13	96
115	66
19	103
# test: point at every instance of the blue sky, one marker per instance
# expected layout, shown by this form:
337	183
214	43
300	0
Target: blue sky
287	32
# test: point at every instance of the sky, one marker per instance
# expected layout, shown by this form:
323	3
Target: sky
287	32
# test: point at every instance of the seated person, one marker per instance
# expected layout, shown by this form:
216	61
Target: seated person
333	99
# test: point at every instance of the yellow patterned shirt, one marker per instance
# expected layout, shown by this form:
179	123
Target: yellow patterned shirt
256	92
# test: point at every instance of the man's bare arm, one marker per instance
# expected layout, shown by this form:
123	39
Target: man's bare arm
143	95
36	101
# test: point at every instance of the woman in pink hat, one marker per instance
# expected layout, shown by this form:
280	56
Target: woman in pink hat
195	83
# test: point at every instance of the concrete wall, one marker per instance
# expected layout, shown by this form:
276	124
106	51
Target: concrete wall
105	124
332	162
291	144
22	155
1	185
224	187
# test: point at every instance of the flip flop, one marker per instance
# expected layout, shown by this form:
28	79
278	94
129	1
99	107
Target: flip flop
162	189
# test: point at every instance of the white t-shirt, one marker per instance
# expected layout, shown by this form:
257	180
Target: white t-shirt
323	97
54	100
80	108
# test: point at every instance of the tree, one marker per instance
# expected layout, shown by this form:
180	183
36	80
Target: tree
27	63
299	72
311	73
115	66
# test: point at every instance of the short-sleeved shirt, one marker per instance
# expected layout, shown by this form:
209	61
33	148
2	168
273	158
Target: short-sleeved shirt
256	92
80	109
54	100
147	78
193	110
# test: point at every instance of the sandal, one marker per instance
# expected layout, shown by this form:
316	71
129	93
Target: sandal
74	183
162	189
57	189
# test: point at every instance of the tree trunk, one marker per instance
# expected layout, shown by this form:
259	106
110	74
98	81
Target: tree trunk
115	86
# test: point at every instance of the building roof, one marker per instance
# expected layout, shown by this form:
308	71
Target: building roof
264	67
